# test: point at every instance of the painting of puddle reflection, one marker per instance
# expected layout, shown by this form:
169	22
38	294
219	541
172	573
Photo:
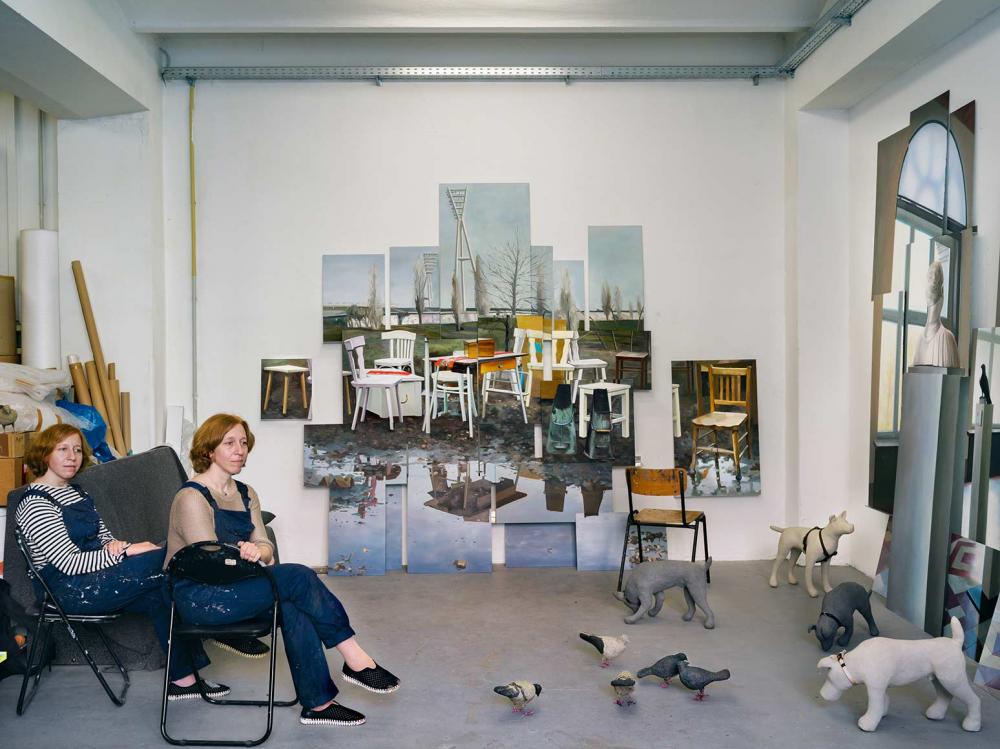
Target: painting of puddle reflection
447	517
357	526
553	492
540	545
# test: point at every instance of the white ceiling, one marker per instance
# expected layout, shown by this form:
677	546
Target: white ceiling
471	16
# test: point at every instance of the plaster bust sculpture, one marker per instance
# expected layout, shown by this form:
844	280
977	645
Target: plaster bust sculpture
936	346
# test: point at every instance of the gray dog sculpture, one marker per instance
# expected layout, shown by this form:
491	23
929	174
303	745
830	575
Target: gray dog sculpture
838	610
647	582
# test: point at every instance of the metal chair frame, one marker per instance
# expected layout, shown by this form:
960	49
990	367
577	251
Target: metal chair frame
50	612
231	568
680	477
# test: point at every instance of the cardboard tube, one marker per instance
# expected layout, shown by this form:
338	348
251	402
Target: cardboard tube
95	391
116	401
127	420
102	367
80	386
111	371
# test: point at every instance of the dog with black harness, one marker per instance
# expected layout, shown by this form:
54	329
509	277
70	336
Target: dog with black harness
837	612
818	545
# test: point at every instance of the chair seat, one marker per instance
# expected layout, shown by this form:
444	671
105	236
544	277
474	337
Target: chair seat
394	361
249	628
51	613
665	517
720	419
588	363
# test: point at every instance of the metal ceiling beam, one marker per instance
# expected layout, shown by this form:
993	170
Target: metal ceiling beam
838	16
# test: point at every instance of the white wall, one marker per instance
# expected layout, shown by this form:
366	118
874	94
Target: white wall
967	67
288	172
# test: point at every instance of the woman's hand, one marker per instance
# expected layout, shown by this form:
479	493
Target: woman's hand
249	551
115	548
140	548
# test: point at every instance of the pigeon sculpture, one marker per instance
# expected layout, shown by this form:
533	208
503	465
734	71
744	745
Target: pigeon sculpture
696	679
624	685
984	385
607	645
666	668
520	693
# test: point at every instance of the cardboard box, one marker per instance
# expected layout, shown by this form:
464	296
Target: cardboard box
12	444
8	336
11	476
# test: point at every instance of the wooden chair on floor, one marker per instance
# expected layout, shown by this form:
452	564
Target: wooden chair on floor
660	482
728	387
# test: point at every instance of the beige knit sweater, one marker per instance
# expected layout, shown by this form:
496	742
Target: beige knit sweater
192	519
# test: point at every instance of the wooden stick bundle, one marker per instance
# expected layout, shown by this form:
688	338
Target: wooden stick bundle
111	415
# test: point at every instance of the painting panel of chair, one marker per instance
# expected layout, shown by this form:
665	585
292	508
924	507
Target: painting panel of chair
580	366
508	381
364	383
401	343
729	388
660	482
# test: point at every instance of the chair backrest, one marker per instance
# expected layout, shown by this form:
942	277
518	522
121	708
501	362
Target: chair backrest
401	343
657	482
563	341
534	340
729	386
519	340
355	350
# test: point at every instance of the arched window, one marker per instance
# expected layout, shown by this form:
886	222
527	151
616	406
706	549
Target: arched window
932	172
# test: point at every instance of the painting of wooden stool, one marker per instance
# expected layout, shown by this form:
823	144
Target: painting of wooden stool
288	371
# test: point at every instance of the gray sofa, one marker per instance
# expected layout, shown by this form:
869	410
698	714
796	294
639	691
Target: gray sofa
133	495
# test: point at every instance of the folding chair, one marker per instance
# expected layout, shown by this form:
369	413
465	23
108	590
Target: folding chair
51	612
660	482
214	563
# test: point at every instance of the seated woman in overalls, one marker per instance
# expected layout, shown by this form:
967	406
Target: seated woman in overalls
88	570
213	506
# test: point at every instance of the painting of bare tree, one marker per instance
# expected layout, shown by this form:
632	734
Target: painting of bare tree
353	293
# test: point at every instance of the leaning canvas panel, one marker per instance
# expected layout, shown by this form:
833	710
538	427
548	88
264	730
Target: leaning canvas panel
447	512
719	443
973	588
599	543
554	493
286	388
334	455
414	286
568	296
540	545
393	526
357	528
353	293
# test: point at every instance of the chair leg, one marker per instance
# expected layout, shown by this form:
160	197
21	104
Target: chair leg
694	546
734	438
388	406
704	535
118	699
638	541
39	644
621	569
694	447
357	411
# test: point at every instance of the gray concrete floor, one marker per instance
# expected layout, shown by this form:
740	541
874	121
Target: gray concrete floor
451	638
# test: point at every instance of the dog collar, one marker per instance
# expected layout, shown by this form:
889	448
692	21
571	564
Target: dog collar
843	666
839	623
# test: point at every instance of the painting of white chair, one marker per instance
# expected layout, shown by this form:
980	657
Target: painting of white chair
400	356
580	366
363	383
508	381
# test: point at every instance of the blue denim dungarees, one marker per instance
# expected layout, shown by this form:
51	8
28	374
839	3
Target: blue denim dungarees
136	584
311	616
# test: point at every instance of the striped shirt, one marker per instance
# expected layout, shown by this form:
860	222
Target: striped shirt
48	540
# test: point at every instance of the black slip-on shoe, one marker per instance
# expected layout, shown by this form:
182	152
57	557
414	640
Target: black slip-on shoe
334	714
373	679
214	691
248	647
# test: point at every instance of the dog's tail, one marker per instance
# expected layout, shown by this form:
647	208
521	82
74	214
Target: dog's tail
777	528
957	633
708	563
619	595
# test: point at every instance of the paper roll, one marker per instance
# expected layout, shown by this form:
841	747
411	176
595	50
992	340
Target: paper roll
38	264
95	391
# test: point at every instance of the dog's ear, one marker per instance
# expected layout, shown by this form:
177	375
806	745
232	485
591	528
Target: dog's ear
843	515
832	518
812	628
827	662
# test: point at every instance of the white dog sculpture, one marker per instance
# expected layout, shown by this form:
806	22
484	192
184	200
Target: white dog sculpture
881	662
818	544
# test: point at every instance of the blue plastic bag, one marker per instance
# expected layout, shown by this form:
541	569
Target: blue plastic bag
92	425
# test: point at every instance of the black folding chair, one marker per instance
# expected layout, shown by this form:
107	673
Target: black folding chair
214	563
50	613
